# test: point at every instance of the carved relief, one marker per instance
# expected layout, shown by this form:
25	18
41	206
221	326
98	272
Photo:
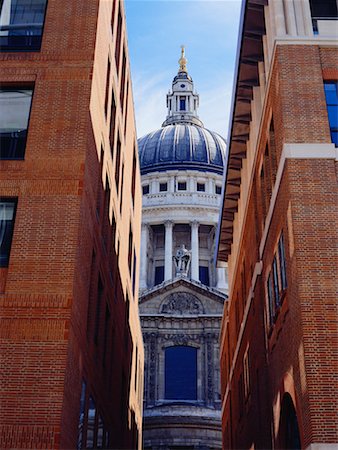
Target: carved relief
181	303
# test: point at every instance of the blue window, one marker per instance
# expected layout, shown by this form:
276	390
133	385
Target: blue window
15	105
21	24
181	373
159	274
182	103
331	95
204	275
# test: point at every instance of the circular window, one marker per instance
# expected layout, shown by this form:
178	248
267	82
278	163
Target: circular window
182	85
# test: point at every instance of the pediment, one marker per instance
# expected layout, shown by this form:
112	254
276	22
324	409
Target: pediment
182	297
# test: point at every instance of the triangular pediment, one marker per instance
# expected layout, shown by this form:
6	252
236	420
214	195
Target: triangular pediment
182	297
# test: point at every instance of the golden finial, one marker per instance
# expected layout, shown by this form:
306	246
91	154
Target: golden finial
182	61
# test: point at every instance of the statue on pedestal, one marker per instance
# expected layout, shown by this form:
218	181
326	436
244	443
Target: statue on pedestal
182	261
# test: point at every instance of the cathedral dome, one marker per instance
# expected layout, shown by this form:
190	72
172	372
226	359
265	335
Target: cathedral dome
182	146
182	143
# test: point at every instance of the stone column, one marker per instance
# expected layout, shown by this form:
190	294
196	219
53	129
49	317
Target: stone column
143	254
290	17
279	17
168	250
194	251
222	277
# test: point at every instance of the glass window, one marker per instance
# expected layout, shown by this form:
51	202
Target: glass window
100	428
204	275
145	189
7	217
15	105
182	103
182	186
218	190
271	300
275	282
282	261
21	23
91	423
159	274
181	373
331	95
200	187
163	187
81	415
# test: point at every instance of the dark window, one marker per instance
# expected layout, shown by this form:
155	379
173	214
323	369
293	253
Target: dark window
331	95
182	103
145	189
15	105
126	112
323	9
21	24
113	15
275	282
163	187
218	190
204	275
130	248
112	123
107	89
200	187
118	40
123	79
121	191
282	261
7	218
134	274
81	415
100	428
133	178
159	275
181	373
271	300
182	186
117	163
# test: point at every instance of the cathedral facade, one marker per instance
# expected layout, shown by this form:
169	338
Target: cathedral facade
182	292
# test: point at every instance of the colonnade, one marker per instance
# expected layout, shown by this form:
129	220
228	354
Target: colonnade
168	254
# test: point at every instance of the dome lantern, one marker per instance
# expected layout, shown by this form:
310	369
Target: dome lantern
182	101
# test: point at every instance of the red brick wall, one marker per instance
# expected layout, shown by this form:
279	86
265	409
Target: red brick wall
298	355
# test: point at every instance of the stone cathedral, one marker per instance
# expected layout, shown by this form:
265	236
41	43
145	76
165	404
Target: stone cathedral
182	292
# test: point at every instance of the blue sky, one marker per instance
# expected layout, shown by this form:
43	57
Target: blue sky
156	30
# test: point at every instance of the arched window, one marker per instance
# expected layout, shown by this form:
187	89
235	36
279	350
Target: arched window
181	373
289	436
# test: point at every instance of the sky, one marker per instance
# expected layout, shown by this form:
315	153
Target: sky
209	31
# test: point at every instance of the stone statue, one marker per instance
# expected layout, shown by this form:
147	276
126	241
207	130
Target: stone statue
182	261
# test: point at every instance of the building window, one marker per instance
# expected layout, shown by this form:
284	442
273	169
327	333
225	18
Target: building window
200	187
218	190
7	218
81	415
130	248
123	79
21	24
112	123
331	95
15	106
107	89
182	103
181	373
159	275
145	189
117	164
118	40
246	372
270	300
182	186
282	262
204	275
163	187
91	423
275	282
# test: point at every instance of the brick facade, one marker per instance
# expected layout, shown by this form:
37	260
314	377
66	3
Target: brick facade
68	304
288	396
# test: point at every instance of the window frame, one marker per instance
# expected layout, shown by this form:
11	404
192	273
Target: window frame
4	262
13	88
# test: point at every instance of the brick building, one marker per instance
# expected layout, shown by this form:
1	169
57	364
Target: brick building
278	230
70	213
